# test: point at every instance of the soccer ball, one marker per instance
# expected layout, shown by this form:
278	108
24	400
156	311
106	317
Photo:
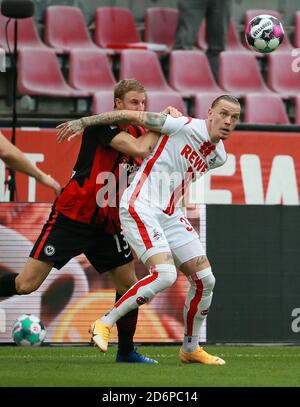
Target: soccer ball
28	330
264	33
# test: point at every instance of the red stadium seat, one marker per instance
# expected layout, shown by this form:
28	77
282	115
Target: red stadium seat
265	109
233	42
27	34
190	73
158	101
39	74
115	29
161	25
103	101
203	102
144	66
283	74
297	30
249	14
90	70
65	29
239	73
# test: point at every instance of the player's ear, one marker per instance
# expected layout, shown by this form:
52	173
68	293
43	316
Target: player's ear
119	103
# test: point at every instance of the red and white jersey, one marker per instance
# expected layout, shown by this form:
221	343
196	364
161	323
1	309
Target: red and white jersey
183	153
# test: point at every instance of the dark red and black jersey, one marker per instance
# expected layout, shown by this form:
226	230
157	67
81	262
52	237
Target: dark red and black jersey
100	175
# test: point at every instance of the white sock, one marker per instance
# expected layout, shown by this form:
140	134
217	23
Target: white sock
161	276
196	307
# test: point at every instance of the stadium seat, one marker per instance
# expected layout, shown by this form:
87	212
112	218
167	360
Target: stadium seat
197	78
161	25
297	30
283	74
233	41
249	14
90	70
266	109
103	101
65	29
115	29
27	34
239	73
203	102
158	101
297	109
39	74
144	66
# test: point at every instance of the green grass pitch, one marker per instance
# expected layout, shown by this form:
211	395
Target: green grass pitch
86	366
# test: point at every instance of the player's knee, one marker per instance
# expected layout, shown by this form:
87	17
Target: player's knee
207	280
167	275
162	277
170	278
24	287
124	277
123	288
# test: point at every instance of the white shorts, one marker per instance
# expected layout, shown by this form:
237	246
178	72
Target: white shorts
150	231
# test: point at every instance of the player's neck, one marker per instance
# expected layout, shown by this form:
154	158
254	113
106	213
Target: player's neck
213	138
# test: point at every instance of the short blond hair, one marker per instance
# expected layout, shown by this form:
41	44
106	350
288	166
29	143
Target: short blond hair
229	98
127	85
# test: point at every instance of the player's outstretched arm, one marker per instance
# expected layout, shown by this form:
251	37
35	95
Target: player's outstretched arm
150	120
14	158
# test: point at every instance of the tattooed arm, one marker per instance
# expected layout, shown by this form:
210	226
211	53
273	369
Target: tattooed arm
72	129
152	121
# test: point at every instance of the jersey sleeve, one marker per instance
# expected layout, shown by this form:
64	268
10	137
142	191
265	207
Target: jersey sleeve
173	124
103	134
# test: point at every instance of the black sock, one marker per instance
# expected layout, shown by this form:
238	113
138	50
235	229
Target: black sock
8	285
126	330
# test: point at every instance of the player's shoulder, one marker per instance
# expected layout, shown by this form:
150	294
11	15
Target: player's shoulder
194	121
189	119
198	126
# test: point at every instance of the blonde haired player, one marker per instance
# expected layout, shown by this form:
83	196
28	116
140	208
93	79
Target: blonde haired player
153	222
82	222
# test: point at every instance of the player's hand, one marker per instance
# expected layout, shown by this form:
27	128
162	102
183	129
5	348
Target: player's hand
172	111
72	129
50	182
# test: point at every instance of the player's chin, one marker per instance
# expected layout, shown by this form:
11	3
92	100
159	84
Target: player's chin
224	134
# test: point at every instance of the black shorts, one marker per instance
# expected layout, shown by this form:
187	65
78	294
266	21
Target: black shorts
63	238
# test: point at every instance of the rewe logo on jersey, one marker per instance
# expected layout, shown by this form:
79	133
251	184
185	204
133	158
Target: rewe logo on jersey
206	148
194	158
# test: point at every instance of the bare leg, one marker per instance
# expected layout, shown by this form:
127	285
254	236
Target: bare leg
124	277
32	275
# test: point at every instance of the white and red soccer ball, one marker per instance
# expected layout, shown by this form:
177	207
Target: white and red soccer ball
264	33
28	330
